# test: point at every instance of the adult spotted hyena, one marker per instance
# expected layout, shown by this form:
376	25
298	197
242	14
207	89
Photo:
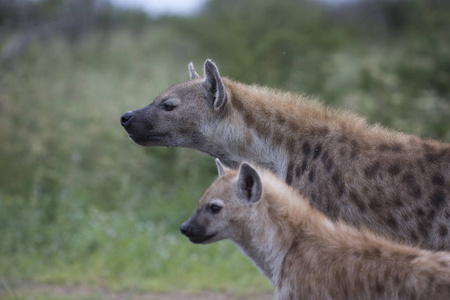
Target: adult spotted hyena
303	253
394	183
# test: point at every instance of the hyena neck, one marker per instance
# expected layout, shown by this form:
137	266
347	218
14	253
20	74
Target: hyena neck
275	221
233	146
266	127
263	245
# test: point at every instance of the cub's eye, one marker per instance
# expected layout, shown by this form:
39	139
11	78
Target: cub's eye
215	209
168	107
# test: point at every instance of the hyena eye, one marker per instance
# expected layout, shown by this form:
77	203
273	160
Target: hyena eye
215	209
168	106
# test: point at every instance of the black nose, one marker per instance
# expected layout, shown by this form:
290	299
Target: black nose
126	118
185	229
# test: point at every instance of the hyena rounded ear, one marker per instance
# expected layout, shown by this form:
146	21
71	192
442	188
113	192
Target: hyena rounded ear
220	167
192	73
214	85
249	183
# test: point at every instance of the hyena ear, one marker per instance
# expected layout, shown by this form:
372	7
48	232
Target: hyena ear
214	85
220	168
249	183
192	73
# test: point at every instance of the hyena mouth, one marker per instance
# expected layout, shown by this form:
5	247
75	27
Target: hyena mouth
144	140
155	138
202	239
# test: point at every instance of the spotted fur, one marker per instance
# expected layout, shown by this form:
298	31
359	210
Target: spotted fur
393	183
306	255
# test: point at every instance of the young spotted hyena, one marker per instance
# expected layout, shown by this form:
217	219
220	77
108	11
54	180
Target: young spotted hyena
393	183
304	254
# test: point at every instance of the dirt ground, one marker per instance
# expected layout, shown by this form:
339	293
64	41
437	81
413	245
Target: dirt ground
30	291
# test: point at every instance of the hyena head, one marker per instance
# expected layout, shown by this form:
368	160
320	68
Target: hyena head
176	117
225	206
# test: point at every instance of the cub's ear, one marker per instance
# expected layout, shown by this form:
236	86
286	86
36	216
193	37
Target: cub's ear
192	73
214	86
249	183
221	168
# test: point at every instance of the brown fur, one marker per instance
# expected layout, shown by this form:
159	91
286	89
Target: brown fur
307	256
393	183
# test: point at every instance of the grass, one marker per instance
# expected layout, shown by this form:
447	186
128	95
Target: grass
80	202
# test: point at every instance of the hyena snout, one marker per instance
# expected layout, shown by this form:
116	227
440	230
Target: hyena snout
186	229
126	118
196	232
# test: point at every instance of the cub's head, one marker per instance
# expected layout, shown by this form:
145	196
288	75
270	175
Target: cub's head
226	205
176	117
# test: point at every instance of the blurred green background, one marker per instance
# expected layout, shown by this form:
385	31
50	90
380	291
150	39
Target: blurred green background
80	203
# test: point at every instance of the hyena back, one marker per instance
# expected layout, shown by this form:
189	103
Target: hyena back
393	183
304	254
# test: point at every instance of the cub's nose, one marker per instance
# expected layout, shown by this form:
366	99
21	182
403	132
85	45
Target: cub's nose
126	118
185	229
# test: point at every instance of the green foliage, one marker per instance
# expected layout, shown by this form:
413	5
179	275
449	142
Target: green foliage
383	84
78	200
81	203
257	40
